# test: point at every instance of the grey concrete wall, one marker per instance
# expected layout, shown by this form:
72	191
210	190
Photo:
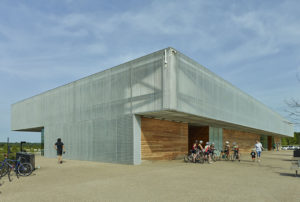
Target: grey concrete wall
200	92
94	115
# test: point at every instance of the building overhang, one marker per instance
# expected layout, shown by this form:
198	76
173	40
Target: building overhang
194	120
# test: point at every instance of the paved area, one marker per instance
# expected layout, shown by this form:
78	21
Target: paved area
271	180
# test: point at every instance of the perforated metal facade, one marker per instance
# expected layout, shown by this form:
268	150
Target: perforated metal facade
98	117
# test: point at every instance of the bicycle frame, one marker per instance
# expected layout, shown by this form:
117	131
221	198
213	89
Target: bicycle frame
11	166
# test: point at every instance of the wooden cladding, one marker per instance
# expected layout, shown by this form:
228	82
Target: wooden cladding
163	140
245	140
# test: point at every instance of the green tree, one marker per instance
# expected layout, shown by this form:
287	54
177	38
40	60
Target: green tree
291	140
297	138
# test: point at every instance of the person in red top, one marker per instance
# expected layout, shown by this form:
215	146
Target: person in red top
236	150
194	151
207	152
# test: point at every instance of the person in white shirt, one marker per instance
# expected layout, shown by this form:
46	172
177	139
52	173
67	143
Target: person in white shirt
258	148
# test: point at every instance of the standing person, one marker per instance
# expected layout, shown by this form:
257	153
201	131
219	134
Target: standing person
200	147
194	151
212	150
236	150
253	155
259	148
227	149
60	148
207	152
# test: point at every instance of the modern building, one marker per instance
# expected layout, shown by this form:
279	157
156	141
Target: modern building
152	107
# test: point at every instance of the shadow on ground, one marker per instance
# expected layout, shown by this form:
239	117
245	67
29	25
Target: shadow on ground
288	174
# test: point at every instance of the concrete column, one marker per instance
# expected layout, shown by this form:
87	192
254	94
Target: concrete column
136	139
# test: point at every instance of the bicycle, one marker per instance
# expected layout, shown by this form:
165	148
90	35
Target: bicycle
235	156
225	155
21	169
200	158
216	155
188	157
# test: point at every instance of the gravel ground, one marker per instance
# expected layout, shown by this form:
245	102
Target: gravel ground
270	180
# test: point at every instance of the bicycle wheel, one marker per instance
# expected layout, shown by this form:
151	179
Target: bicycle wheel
186	158
214	157
4	170
24	169
198	159
201	158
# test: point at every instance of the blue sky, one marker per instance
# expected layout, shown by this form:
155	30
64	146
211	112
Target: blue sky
255	45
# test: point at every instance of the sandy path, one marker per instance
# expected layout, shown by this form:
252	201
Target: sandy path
271	180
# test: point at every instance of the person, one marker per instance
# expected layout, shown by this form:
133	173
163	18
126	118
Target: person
253	155
258	148
207	152
277	146
227	149
212	150
200	147
236	150
60	149
194	151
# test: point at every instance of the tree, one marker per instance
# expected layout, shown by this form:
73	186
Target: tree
297	138
291	140
293	110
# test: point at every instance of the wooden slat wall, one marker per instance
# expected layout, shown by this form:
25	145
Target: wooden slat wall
198	133
245	140
270	145
163	140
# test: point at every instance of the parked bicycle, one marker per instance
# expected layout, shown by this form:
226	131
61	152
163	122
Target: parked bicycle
19	166
189	158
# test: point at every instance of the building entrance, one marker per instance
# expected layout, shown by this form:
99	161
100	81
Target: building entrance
198	133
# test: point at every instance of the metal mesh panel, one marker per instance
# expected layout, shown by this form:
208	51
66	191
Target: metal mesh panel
216	136
202	93
94	115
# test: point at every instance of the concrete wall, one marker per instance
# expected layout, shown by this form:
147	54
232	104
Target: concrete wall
94	116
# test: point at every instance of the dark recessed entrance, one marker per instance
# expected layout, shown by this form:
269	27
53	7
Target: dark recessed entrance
198	133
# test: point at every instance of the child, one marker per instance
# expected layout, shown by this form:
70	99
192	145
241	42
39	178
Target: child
253	155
